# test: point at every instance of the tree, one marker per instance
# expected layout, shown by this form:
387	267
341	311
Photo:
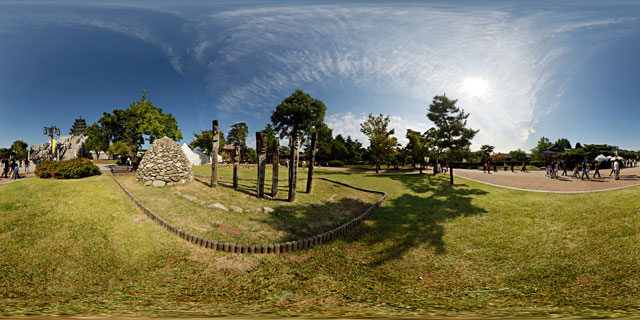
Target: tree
578	145
417	147
381	140
486	151
564	142
204	141
271	135
6	153
251	155
120	149
238	133
543	143
297	115
97	141
325	143
451	123
355	150
19	149
518	155
142	120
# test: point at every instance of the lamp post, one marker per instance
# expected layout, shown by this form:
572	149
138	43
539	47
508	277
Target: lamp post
51	131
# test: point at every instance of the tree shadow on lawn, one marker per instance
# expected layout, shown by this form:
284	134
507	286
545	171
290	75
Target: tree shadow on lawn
410	220
247	187
300	222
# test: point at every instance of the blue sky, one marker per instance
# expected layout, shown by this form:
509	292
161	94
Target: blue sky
521	69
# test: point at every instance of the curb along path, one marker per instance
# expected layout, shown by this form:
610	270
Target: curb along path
269	248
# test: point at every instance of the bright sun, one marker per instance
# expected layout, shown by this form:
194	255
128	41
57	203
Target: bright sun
475	87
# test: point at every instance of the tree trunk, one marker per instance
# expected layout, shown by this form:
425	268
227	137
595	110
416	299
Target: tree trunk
236	158
421	165
435	167
275	170
214	154
261	144
293	169
314	143
377	166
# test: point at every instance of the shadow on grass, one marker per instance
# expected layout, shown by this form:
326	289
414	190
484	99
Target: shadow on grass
411	220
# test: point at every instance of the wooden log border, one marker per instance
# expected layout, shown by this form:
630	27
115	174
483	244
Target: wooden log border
268	248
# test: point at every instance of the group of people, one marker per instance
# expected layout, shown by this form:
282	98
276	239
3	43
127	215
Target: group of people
11	169
487	167
581	170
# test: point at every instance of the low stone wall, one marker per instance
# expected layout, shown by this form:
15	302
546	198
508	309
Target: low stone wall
267	248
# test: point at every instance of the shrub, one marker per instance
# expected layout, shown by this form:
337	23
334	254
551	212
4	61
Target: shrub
67	169
335	163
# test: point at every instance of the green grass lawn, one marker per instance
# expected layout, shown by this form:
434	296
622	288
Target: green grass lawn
80	247
327	207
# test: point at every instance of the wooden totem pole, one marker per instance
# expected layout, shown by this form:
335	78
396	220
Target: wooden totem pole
276	164
261	144
236	159
214	154
314	144
293	169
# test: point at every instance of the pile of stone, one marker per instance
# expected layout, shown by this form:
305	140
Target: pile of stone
164	164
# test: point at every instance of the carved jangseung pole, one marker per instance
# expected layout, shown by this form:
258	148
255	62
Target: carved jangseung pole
261	144
276	164
214	154
236	158
314	143
293	172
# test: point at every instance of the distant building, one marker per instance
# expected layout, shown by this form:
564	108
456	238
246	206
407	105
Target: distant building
79	127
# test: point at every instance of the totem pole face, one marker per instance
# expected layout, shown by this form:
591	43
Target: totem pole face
263	144
236	153
216	131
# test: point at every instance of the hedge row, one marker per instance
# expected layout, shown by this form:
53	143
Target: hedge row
67	169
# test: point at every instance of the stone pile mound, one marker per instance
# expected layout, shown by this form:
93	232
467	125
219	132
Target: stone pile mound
164	164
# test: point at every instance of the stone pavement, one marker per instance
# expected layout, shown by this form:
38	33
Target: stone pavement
21	172
537	181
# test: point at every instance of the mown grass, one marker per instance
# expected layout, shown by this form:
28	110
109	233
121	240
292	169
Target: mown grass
328	206
430	249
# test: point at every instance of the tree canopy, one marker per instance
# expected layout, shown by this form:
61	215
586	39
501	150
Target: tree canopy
381	140
417	147
238	133
204	141
564	142
97	141
452	133
543	143
19	149
142	120
298	113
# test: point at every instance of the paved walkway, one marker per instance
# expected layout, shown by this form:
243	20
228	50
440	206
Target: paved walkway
21	172
537	181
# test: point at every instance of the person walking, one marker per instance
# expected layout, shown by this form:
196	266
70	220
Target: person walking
26	165
15	175
575	171
495	168
597	171
512	165
616	169
585	169
489	167
564	168
524	167
5	169
484	167
505	166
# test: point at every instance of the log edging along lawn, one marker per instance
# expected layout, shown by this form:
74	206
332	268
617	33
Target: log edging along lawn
267	248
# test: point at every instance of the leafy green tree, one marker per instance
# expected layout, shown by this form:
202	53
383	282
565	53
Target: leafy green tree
564	142
19	149
417	147
97	141
297	115
238	133
339	148
251	155
486	151
518	155
120	149
325	143
381	140
270	133
204	141
6	153
142	120
578	145
543	144
355	149
451	127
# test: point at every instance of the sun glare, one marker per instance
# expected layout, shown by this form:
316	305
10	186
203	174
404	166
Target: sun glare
475	87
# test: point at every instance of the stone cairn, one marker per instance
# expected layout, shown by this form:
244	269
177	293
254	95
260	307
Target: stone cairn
164	164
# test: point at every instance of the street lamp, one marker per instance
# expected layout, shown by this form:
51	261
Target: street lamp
50	131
